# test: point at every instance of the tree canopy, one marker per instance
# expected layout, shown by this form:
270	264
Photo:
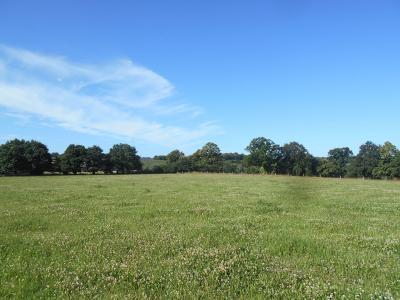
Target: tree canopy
19	157
264	153
124	158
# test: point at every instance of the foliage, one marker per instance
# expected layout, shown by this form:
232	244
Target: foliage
148	165
232	166
160	157
94	159
387	166
125	159
55	162
336	164
296	160
366	161
264	153
19	157
208	159
236	157
24	157
174	156
73	159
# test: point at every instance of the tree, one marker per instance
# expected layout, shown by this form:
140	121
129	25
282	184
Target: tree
106	164
24	157
327	168
232	162
337	162
395	166
296	160
73	159
386	167
38	157
55	162
366	161
124	158
208	158
94	159
234	157
264	153
13	160
184	164
175	162
174	156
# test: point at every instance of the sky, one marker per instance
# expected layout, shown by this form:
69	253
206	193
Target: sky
164	75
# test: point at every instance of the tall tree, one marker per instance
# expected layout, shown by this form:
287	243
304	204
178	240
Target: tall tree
73	159
174	162
395	166
264	153
208	158
24	157
94	159
124	158
13	158
337	162
174	156
366	161
327	168
38	157
296	160
386	167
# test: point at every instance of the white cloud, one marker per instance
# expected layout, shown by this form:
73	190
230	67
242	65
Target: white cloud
109	99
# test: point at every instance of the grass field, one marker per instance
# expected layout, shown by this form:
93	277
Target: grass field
192	236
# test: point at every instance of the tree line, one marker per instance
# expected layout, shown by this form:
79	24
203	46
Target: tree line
20	157
266	157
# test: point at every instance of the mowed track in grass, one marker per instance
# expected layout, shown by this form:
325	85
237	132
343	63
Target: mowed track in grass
199	235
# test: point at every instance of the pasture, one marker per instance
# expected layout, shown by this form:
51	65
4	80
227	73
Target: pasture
199	236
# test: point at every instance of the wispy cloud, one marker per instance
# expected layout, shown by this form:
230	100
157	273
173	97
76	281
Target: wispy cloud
110	99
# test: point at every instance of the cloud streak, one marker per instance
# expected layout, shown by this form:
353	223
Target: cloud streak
108	99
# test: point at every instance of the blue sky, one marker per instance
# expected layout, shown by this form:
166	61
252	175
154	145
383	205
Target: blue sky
162	75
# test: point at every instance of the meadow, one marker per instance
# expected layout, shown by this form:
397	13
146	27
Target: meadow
206	236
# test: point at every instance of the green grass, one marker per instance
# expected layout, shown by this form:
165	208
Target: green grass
199	236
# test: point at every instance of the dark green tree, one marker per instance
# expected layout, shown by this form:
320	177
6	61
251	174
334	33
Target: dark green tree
395	166
386	167
208	158
106	165
174	156
184	164
264	153
337	163
24	157
296	160
124	159
55	162
327	168
13	160
365	161
174	161
38	157
73	159
233	157
94	159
